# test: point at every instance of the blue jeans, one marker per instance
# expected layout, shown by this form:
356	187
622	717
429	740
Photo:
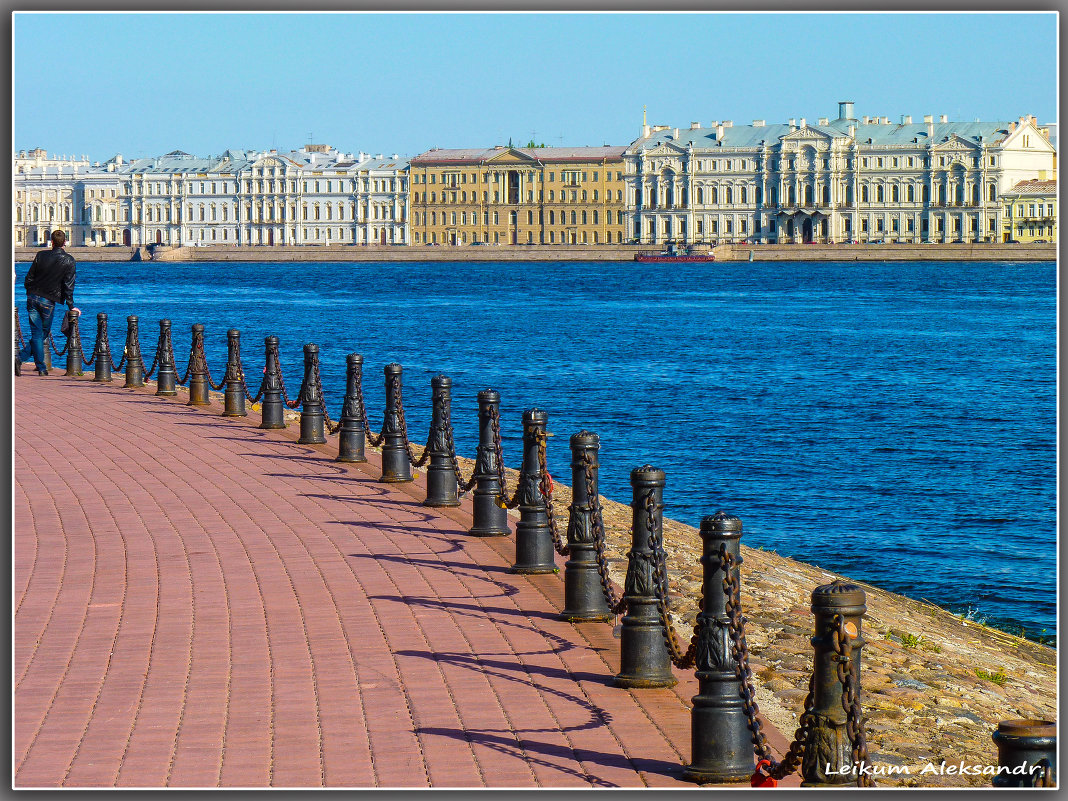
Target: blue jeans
40	311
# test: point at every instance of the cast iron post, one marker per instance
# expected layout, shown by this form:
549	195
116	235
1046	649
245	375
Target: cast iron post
828	757
644	658
312	431
351	436
720	742
166	374
234	396
102	350
272	408
1027	753
441	486
489	519
198	375
396	468
583	596
74	345
533	542
135	367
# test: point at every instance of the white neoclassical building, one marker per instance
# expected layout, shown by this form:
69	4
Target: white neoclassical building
838	180
313	196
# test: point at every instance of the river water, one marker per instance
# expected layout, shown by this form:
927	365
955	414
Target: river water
895	422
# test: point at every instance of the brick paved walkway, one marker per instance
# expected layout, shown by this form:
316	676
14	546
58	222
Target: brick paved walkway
198	602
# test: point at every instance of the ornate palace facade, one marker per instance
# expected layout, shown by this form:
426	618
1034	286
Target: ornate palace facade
833	181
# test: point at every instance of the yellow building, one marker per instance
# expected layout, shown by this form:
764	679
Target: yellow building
1030	212
518	196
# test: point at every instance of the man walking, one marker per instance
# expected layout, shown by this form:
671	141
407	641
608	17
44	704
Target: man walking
49	281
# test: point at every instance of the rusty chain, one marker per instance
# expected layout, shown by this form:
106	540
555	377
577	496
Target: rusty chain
679	658
740	651
463	486
546	486
122	361
207	372
395	385
615	604
188	368
55	350
373	440
155	360
495	422
843	648
331	427
292	404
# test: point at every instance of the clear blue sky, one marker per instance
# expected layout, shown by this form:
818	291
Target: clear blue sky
145	84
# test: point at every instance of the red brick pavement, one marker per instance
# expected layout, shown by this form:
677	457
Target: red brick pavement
202	603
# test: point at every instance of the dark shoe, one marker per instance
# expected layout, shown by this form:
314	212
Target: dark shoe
18	366
42	371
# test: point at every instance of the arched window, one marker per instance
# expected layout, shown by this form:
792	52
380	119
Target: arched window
573	218
715	195
975	194
214	214
584	216
552	220
894	194
700	196
879	194
730	195
745	195
18	214
992	192
595	220
926	193
864	193
910	193
317	205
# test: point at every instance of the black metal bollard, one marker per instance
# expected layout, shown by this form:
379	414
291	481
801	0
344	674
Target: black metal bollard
234	395
272	411
441	488
583	596
74	346
396	468
533	542
166	375
312	421
135	367
198	374
489	519
351	435
1027	753
644	659
720	742
102	350
828	757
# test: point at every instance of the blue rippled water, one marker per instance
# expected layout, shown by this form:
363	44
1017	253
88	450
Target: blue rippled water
895	422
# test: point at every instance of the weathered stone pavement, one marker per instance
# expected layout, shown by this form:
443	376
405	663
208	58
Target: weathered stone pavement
201	603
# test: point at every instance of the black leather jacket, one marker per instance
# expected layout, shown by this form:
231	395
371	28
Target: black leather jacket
52	276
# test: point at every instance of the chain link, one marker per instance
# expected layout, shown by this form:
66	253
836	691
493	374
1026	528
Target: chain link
740	651
55	350
372	440
495	422
659	559
188	369
207	373
122	361
331	427
546	486
155	360
395	385
292	404
615	604
446	421
843	648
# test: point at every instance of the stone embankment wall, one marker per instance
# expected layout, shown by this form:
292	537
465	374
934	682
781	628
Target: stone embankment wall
967	252
342	253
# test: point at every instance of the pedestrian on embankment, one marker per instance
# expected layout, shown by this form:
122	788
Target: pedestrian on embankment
49	281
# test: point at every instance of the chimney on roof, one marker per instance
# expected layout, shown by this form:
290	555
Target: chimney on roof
845	109
802	125
943	118
719	131
852	129
675	134
758	123
906	119
793	123
694	126
728	123
823	121
864	119
1012	127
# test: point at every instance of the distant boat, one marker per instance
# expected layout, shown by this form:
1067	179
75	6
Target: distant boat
673	253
